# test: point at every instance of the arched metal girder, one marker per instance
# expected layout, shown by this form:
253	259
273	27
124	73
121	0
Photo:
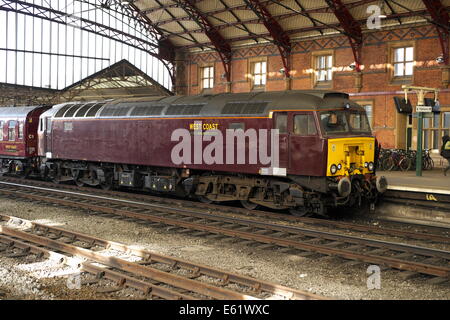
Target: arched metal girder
220	43
440	16
351	27
280	37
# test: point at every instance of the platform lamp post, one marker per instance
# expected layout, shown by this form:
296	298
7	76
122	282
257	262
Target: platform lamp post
420	110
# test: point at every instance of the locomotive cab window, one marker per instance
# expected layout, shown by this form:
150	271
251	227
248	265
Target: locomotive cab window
12	130
304	125
359	122
281	123
334	122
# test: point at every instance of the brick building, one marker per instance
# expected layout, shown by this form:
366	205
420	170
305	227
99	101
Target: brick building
390	57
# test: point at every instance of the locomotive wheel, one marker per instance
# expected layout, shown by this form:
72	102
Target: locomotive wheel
249	205
79	183
108	184
205	200
299	212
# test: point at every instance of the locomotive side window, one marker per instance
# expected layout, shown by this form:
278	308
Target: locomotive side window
12	130
1	130
281	123
20	136
304	125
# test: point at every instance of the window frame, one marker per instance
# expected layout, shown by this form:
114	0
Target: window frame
405	79
251	73
13	131
315	56
433	131
275	122
211	77
20	132
363	104
309	116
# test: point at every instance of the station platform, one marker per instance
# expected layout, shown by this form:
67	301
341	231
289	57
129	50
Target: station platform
422	200
431	181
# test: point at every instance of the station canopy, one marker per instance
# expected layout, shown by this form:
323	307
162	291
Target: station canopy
201	23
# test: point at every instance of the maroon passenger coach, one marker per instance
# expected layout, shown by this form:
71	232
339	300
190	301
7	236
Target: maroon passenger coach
18	138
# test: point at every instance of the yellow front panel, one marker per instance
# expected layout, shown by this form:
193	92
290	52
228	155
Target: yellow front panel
351	153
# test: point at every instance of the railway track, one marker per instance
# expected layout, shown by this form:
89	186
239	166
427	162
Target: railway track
439	235
155	275
302	241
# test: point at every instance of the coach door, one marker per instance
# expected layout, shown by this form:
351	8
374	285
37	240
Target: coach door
304	144
48	135
281	123
45	136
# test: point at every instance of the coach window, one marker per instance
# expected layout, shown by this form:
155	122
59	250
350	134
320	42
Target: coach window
281	123
1	130
12	130
20	136
304	125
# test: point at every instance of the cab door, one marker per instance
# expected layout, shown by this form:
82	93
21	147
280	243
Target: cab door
305	145
48	136
45	137
281	123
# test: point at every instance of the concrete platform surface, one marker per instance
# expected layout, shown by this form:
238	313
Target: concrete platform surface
430	181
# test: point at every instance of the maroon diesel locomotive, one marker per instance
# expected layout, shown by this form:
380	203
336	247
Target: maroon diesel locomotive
300	150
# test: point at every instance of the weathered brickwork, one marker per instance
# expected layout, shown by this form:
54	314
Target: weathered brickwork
376	80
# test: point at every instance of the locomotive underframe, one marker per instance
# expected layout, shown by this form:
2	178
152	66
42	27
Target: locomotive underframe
300	194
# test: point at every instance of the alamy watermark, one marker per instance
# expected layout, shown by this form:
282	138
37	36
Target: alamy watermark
74	281
374	278
263	145
374	20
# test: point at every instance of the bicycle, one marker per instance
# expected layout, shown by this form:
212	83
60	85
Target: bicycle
397	159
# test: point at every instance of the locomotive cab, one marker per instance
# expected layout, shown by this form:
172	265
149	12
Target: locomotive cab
351	152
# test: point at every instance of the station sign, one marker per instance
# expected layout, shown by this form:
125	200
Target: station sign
424	108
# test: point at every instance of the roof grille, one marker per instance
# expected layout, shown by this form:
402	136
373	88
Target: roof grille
93	111
184	109
147	111
61	111
244	108
115	111
82	111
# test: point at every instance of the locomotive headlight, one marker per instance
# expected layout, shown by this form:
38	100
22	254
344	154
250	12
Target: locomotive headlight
371	166
366	164
333	169
339	166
